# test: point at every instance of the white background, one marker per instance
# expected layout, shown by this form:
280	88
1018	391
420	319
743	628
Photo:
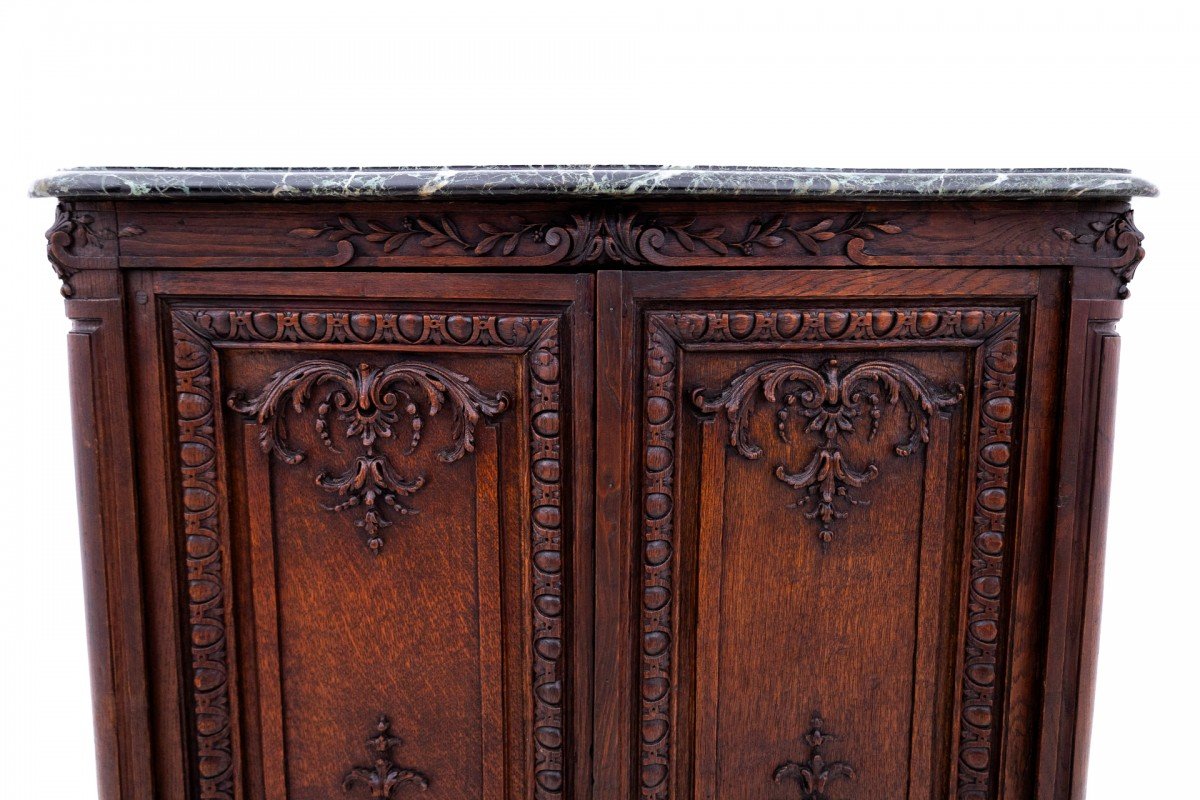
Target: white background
871	84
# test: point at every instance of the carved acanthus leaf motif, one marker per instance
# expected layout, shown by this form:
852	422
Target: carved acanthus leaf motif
384	776
1118	233
831	403
370	402
73	231
815	774
601	238
605	235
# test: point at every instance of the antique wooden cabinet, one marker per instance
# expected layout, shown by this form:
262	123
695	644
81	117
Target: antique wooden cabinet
593	483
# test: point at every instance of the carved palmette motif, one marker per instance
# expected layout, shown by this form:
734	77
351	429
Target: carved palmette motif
813	775
383	776
370	402
828	403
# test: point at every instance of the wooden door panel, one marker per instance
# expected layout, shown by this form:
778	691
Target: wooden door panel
823	523
378	527
811	611
409	631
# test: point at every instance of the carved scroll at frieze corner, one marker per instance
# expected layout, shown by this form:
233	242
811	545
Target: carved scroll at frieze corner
1114	239
81	239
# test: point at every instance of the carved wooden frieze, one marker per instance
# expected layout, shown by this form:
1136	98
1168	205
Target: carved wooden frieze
370	403
813	775
637	233
197	335
828	403
383	776
603	236
992	332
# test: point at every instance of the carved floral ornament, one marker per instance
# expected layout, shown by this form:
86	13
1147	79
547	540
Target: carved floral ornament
370	403
815	774
606	234
383	777
599	237
827	403
72	233
1118	232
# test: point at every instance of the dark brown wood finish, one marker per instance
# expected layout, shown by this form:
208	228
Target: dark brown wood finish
557	498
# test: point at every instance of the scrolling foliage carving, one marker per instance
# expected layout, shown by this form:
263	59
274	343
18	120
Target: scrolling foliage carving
75	233
370	402
994	333
603	235
831	403
1118	233
196	334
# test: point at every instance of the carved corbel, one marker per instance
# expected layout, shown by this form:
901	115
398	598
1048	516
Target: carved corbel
77	240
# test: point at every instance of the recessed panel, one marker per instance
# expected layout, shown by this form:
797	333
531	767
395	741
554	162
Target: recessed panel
824	507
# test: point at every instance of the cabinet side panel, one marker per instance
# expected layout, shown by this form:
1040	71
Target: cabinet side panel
1085	461
1109	357
109	540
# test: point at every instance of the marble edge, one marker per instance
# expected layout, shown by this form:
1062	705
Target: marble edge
591	181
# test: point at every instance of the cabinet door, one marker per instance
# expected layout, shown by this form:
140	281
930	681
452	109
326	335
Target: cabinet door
822	507
374	529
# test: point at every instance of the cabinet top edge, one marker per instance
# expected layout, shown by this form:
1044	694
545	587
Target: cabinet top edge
282	183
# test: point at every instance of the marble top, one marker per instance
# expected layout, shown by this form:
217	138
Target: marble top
591	181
